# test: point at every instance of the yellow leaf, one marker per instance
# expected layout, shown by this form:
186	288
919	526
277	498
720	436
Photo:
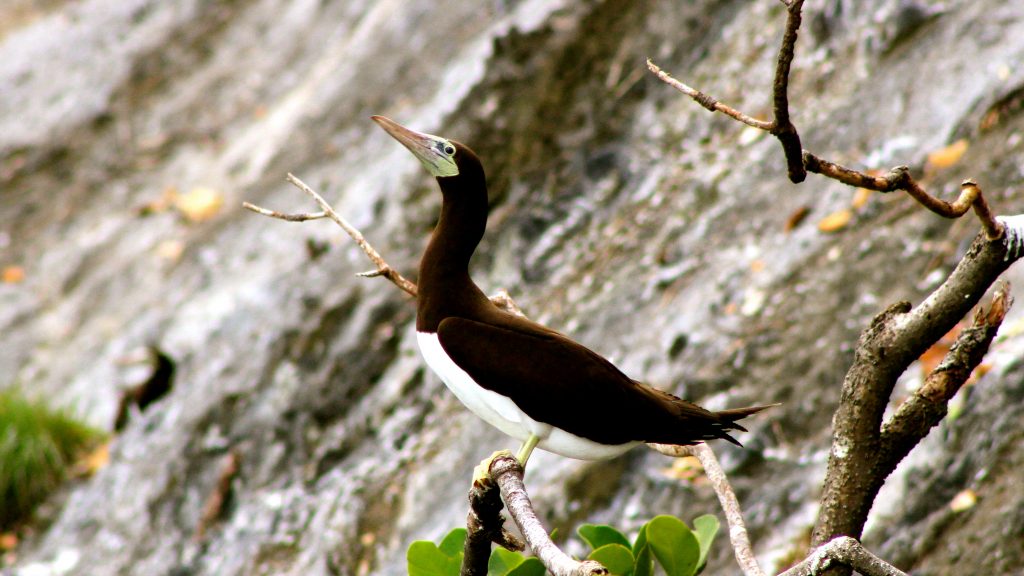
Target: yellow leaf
170	250
199	204
13	274
93	461
835	221
948	156
965	500
687	468
860	199
796	217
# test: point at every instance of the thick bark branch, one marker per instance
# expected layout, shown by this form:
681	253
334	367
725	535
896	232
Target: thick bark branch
847	552
485	524
864	452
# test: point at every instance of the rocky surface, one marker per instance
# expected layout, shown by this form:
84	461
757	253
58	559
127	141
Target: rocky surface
623	214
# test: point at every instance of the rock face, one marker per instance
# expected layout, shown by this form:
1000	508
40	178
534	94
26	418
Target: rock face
623	213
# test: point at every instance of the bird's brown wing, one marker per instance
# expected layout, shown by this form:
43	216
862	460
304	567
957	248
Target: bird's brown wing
560	382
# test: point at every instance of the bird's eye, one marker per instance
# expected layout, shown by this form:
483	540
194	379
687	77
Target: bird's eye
449	149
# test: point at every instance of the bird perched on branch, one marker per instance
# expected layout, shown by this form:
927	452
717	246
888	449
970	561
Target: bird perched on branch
527	380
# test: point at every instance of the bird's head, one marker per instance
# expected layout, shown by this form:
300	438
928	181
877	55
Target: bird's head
438	155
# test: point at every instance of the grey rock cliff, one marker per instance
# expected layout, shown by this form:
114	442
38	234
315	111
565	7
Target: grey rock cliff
623	214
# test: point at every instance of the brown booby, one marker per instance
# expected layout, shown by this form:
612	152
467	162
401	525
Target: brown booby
527	380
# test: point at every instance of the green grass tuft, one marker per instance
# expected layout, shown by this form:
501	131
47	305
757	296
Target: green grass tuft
37	446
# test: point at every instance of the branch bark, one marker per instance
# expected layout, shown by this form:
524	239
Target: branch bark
485	524
506	472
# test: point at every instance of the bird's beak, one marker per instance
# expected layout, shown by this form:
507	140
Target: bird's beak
436	153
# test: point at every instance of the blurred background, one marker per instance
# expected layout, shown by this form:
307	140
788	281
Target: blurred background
289	426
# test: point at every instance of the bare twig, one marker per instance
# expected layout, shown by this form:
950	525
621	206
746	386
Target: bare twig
218	497
506	472
383	269
782	126
707	101
799	162
501	299
726	496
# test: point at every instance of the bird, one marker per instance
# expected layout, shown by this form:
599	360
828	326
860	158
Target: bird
531	382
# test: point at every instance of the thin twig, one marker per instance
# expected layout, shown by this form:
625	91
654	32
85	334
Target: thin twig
799	162
501	299
726	497
506	472
282	216
383	269
782	126
707	101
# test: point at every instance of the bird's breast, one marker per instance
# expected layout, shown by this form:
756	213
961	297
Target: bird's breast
503	413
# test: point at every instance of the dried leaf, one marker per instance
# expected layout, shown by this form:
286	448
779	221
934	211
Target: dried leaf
835	221
93	461
13	274
948	156
687	469
860	199
170	250
200	204
934	355
8	540
796	218
965	500
167	199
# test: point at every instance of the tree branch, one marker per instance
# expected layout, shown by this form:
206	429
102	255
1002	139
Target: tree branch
864	451
799	162
847	552
502	299
485	524
726	497
506	472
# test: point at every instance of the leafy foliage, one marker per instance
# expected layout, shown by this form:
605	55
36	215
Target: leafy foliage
37	445
679	550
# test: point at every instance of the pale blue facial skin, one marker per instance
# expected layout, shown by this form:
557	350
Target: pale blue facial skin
437	154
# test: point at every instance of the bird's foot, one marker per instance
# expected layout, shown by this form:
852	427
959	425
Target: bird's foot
482	472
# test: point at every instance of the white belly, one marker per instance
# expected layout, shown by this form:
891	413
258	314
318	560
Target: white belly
502	413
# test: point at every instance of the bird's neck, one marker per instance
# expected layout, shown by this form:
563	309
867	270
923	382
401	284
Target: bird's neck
445	288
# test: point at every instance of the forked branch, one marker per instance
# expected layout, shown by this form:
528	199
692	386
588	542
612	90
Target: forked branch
799	161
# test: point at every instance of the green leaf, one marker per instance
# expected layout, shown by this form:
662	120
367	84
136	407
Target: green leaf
674	545
617	558
530	567
641	540
644	563
453	542
598	535
705	528
503	561
424	558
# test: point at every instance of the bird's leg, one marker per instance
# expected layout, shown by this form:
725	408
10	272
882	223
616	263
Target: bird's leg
526	449
482	472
